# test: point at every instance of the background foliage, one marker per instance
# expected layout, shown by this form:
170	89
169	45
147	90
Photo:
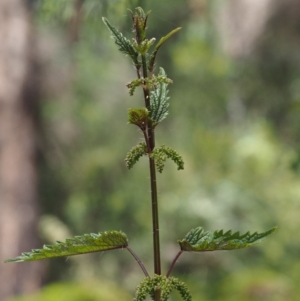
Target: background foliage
236	123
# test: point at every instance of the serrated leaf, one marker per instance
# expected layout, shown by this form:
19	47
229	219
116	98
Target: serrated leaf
86	243
122	42
198	240
138	117
159	100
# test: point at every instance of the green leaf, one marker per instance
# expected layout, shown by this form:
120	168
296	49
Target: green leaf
139	20
141	14
138	117
158	45
198	240
86	243
159	99
124	44
165	38
144	46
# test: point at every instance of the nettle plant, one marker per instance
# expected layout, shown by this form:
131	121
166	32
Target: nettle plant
147	119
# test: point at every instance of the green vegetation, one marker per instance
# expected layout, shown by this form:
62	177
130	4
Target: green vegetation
236	125
147	118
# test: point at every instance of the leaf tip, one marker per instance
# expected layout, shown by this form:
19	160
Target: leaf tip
13	260
273	230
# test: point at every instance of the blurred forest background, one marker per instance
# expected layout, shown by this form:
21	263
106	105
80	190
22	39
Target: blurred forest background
234	116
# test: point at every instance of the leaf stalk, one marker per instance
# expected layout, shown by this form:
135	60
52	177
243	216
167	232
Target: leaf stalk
173	263
137	259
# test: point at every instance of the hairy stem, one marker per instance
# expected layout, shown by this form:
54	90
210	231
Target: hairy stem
154	200
173	263
147	104
155	222
147	141
140	263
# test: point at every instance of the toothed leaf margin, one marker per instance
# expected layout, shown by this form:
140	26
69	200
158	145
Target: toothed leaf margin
159	99
138	117
86	243
198	240
125	46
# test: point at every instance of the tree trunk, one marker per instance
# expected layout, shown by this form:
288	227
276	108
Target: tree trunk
76	21
241	22
18	139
